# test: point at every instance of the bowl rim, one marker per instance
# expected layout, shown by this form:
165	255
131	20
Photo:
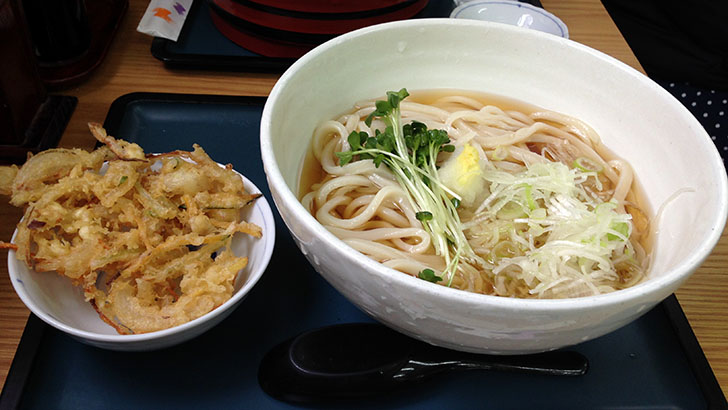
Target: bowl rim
654	286
269	243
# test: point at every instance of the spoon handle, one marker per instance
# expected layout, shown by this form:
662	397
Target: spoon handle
435	360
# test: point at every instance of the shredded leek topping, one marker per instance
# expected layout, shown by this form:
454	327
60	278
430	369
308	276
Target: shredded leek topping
542	227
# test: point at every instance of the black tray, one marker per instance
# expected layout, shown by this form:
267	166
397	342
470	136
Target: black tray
655	362
201	46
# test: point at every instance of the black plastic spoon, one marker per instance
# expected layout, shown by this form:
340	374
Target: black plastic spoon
363	359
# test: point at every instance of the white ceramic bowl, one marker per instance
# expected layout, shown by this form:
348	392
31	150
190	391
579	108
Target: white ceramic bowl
60	304
639	120
512	12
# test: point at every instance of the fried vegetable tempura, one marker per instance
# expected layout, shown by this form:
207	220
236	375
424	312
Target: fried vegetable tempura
147	237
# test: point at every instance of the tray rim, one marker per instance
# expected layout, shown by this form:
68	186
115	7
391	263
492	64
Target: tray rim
24	359
116	112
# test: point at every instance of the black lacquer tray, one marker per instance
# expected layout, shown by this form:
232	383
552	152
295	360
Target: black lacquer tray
654	362
201	46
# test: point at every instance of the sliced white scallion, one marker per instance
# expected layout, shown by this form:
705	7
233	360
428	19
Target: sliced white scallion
560	238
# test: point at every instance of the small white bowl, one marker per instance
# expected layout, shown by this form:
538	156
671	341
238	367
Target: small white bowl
636	118
57	302
514	13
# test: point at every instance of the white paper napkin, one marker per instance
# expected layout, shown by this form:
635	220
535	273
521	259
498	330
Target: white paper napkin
164	18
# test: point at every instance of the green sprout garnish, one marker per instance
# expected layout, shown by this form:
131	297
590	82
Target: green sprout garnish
423	216
410	151
429	275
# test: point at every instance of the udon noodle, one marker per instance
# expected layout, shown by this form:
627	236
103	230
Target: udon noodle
551	214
